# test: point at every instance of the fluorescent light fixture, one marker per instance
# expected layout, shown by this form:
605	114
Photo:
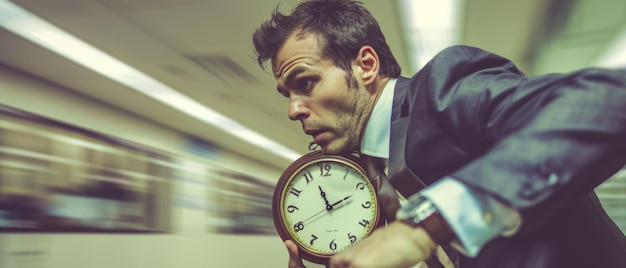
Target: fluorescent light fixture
430	26
615	55
35	29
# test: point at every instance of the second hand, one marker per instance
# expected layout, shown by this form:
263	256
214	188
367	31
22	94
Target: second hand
300	225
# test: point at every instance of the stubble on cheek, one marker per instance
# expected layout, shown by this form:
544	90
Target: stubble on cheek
348	125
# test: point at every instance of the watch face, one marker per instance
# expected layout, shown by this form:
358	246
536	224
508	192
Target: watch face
324	204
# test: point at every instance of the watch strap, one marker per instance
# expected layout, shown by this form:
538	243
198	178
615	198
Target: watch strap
438	229
421	212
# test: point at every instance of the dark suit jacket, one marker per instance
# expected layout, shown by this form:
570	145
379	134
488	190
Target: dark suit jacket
538	144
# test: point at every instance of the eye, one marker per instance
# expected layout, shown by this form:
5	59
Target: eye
305	84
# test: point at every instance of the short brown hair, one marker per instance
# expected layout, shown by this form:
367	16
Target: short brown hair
345	25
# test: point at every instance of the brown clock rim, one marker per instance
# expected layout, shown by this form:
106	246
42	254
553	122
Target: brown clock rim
294	166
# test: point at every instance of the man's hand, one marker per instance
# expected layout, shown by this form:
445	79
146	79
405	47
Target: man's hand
295	261
397	245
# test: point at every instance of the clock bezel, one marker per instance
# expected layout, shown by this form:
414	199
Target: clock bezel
280	190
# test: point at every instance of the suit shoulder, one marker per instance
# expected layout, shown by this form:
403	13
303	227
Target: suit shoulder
463	60
464	50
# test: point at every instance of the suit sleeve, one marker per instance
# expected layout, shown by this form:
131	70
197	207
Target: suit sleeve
542	140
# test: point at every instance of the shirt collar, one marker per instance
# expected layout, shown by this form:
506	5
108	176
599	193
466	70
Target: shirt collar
377	133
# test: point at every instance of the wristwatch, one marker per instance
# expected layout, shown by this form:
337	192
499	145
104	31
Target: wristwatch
419	211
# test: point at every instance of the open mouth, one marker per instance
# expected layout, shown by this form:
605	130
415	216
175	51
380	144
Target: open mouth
312	132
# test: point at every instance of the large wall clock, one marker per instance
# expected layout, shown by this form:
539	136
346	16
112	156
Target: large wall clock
325	204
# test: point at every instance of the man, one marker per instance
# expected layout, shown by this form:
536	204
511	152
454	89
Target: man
509	163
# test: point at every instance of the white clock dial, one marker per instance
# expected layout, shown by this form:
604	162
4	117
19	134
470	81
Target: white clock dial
328	205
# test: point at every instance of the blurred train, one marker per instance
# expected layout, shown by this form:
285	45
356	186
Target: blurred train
83	184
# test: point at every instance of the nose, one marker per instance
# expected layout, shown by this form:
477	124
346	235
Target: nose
297	108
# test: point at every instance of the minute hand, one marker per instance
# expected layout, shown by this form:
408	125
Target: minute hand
328	205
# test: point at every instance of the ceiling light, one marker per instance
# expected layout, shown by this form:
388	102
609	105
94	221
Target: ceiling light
429	27
615	55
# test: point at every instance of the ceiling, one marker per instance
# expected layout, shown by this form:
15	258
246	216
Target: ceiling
166	39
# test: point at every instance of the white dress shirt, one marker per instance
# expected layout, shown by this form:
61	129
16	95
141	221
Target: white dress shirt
475	218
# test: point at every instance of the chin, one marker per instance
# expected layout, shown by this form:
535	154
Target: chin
336	149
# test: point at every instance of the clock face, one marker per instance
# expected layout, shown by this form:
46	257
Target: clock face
324	204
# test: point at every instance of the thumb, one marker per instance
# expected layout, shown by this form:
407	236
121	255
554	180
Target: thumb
294	257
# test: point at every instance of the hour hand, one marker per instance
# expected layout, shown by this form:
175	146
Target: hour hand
340	200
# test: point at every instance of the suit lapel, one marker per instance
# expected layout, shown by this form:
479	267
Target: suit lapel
400	176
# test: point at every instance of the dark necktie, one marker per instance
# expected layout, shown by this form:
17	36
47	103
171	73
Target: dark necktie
387	196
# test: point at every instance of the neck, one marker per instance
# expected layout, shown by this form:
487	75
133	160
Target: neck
378	86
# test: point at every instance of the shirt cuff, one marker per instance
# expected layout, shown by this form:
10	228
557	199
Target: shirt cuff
475	218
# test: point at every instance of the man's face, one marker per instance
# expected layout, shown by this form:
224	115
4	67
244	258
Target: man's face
319	96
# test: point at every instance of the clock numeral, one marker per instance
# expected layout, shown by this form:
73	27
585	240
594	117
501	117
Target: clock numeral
314	238
352	238
346	175
367	204
308	177
360	186
325	170
292	208
295	192
364	223
298	226
333	245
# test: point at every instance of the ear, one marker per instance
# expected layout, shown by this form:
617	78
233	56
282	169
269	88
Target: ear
368	63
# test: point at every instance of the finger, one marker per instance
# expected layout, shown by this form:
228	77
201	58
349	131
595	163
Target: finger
338	261
294	257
